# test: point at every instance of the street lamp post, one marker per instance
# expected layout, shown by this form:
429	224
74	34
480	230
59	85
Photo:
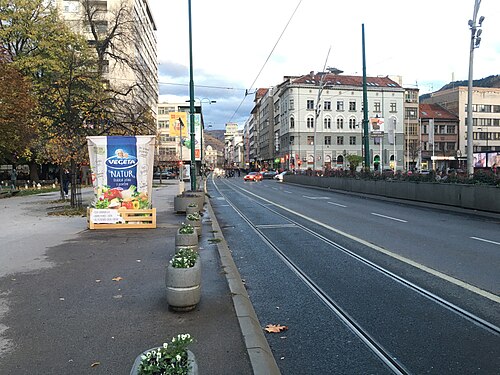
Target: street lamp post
474	43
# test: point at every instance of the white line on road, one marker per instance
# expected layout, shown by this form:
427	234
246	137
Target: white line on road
336	204
482	239
288	192
305	196
389	217
413	263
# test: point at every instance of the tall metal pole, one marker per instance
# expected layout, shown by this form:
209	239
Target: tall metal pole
366	140
473	29
191	102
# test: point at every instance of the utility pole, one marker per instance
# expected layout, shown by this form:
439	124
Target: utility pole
475	39
191	102
366	140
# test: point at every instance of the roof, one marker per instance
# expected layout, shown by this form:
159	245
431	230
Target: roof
328	79
435	111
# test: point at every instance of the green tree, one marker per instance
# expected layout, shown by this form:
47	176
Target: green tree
354	161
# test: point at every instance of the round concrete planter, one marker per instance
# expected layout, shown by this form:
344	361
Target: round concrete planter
182	201
186	240
183	286
196	224
193	366
192	210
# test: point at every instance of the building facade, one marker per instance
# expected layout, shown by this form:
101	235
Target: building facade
485	121
131	67
316	121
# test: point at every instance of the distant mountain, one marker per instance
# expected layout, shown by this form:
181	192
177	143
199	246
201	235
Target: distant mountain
216	143
491	81
217	134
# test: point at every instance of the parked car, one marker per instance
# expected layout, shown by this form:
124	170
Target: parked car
253	176
269	174
165	175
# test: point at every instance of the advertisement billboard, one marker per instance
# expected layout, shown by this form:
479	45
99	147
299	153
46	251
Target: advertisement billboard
178	123
377	126
122	170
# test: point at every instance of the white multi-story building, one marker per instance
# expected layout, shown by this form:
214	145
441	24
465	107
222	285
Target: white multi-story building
485	120
135	41
317	121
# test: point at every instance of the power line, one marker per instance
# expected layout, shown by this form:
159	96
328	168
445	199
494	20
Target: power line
267	59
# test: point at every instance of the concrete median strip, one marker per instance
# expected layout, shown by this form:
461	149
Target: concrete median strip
259	352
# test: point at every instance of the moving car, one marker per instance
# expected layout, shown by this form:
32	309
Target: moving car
253	176
269	174
166	175
279	176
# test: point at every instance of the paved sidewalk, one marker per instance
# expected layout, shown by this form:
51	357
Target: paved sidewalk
61	312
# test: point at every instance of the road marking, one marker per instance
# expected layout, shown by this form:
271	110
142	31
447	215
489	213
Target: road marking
389	217
401	258
274	188
288	192
305	196
482	239
336	204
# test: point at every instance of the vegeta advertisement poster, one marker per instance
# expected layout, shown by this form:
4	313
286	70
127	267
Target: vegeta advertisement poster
122	171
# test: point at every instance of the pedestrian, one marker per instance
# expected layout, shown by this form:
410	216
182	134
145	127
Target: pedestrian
66	179
13	178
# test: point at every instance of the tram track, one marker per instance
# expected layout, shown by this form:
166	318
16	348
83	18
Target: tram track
384	355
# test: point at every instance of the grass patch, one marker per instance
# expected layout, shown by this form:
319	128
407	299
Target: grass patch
214	231
70	211
214	240
26	192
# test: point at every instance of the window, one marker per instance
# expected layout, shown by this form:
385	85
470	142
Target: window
340	105
450	146
328	105
292	140
292	122
328	140
484	108
340	123
340	140
352	140
327	123
352	123
442	129
496	109
393	107
411	113
310	123
376	141
310	140
291	104
376	107
352	106
310	104
450	129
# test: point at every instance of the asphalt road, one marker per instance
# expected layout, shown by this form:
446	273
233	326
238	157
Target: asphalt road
289	241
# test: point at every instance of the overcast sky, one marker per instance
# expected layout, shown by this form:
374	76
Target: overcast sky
426	42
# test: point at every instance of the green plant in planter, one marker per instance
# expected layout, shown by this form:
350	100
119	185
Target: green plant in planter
169	359
193	217
186	229
185	257
192	205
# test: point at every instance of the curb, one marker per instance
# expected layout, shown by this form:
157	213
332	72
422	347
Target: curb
259	352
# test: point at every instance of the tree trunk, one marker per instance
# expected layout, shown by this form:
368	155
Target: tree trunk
33	171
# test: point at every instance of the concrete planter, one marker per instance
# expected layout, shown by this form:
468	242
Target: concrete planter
182	201
196	224
183	287
186	240
192	210
193	366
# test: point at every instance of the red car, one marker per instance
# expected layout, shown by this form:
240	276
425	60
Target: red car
253	176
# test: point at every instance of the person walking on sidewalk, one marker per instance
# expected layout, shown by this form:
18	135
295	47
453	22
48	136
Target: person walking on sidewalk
13	178
66	179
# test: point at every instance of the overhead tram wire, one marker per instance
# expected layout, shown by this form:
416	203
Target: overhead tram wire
247	92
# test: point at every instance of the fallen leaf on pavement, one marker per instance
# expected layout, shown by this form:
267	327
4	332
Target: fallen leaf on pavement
117	278
98	281
95	364
275	328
